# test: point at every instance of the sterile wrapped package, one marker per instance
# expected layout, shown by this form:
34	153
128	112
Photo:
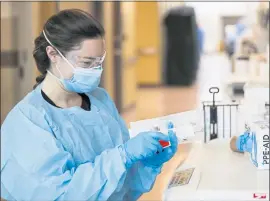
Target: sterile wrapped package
183	125
259	155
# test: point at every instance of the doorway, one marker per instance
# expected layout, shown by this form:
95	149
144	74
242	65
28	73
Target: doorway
228	20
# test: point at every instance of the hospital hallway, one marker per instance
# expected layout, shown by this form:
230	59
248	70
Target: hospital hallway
159	101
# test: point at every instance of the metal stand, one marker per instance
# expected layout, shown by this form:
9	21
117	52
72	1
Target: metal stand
213	124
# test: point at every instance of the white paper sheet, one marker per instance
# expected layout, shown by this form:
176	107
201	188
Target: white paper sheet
183	122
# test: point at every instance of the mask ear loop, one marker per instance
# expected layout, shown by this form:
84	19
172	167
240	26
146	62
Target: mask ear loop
58	79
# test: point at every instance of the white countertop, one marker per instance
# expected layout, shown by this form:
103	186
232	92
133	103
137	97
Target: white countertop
220	174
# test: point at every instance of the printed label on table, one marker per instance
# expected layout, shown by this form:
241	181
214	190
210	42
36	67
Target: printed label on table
181	178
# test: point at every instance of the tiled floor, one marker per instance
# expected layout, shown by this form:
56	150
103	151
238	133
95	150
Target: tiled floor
214	71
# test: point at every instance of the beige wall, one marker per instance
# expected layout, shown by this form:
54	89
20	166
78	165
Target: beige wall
41	11
79	5
6	9
164	6
129	54
8	73
109	82
148	32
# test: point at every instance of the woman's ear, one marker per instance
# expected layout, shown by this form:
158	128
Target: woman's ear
52	54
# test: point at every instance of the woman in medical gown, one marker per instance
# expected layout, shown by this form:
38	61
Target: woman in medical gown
65	140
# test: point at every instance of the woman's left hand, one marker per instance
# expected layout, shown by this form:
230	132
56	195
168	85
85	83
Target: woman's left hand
162	157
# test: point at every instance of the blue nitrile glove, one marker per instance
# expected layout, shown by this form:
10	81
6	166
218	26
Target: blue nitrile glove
244	142
165	155
143	146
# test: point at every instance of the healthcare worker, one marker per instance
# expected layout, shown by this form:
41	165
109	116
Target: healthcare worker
65	140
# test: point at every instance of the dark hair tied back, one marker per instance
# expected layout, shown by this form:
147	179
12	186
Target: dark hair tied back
65	30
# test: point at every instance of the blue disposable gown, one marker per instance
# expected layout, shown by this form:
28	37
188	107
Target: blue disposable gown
49	153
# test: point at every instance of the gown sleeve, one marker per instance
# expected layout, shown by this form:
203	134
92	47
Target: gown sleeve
140	178
35	166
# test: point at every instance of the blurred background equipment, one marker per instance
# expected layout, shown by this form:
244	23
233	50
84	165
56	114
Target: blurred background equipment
182	46
230	35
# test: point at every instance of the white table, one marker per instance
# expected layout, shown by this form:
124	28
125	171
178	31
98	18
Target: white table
220	174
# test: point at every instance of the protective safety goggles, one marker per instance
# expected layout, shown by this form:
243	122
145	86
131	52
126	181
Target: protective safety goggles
89	62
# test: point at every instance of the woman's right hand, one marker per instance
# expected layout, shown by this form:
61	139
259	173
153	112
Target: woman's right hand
143	146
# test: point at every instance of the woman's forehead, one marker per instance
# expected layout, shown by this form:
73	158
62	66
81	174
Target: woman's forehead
90	48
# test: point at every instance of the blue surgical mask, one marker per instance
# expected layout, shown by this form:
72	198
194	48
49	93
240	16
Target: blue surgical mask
83	80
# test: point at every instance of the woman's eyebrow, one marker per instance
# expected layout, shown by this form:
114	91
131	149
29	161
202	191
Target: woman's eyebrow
88	57
85	59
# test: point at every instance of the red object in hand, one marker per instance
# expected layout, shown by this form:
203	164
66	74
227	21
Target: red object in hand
164	144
